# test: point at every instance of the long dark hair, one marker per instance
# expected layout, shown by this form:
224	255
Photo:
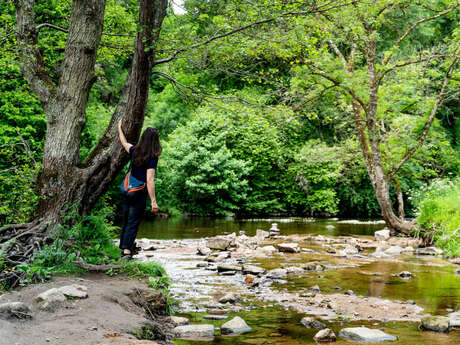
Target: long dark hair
148	147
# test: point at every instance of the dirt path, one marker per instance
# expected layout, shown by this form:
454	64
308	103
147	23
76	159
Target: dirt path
107	316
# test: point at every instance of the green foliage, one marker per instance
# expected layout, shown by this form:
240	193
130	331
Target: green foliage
439	214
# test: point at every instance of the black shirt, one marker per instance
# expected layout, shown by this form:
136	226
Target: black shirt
141	172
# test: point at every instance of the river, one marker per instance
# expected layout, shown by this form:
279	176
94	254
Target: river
434	286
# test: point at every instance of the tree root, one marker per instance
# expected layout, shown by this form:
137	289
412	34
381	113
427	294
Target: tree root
96	268
18	244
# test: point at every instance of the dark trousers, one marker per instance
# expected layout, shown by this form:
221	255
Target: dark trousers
133	211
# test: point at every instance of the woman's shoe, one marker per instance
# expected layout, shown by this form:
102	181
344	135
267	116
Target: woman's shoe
126	257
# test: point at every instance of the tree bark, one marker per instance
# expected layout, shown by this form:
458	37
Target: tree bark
64	181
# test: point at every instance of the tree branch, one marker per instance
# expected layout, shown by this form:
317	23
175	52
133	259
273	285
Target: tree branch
428	123
417	23
30	58
58	28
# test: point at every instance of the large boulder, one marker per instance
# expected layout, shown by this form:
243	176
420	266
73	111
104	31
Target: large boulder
74	291
394	250
235	326
289	247
194	331
229	298
218	243
435	323
50	299
382	235
366	334
325	336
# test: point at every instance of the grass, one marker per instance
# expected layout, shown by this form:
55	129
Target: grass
439	215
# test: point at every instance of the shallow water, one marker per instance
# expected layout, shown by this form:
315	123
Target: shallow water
434	287
197	227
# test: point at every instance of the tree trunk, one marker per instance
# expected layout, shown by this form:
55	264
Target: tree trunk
64	182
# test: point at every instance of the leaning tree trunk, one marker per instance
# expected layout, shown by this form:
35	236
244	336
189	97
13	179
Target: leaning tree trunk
64	181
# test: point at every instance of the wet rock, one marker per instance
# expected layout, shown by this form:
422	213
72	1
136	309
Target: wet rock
350	293
261	234
350	250
215	317
249	279
457	271
18	310
194	331
382	235
454	319
366	334
277	273
274	231
394	250
268	249
228	267
331	250
228	273
294	270
330	227
218	243
315	288
50	299
289	247
404	274
380	254
409	301
203	251
229	298
338	288
435	323
179	320
308	250
428	251
74	291
325	336
455	261
235	326
202	264
310	322
255	270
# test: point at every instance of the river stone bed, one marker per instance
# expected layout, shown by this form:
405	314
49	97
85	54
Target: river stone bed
206	279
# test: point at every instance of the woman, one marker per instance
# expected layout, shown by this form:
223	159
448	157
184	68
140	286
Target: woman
144	160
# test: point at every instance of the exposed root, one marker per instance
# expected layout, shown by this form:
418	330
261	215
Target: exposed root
18	244
96	268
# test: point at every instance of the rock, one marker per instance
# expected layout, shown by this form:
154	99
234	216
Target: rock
380	254
457	271
325	336
307	250
310	322
228	267
255	270
215	317
404	274
350	293
394	250
294	270
382	235
179	320
274	231
74	291
249	279
454	319
315	288
331	250
17	310
435	323
229	298
203	251
277	273
366	334
235	326
428	251
194	331
337	288
455	261
218	243
228	273
350	250
330	227
409	301
269	249
262	234
289	247
50	299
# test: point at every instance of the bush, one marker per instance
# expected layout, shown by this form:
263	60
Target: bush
439	214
